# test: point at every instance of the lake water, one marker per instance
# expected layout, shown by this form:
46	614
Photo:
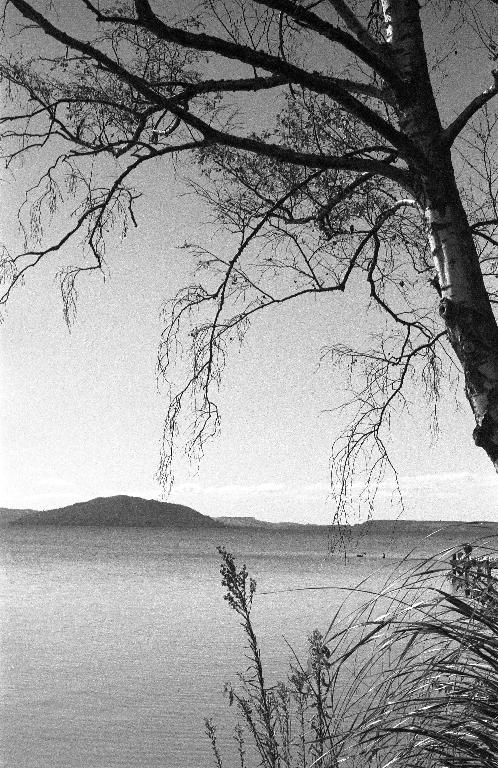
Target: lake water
115	644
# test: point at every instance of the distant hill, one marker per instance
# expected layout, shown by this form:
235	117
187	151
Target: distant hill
439	530
114	512
382	527
427	526
388	536
9	515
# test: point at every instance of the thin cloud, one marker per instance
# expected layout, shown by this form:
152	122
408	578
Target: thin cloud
438	480
231	491
261	491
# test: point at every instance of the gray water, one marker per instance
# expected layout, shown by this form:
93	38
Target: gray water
115	644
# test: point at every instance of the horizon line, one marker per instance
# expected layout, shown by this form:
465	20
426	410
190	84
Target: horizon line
398	518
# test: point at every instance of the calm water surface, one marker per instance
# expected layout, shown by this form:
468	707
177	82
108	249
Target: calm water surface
115	644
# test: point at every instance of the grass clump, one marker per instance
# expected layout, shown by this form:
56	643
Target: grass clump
411	679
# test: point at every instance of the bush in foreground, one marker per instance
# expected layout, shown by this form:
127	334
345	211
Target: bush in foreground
411	679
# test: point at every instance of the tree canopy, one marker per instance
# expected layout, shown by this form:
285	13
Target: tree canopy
323	139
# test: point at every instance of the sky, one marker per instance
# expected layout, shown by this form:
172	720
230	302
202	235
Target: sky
82	412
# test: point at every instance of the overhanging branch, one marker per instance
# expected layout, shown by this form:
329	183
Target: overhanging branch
288	155
95	212
314	81
370	54
356	27
451	132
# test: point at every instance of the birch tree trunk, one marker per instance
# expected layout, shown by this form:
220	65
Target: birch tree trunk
464	306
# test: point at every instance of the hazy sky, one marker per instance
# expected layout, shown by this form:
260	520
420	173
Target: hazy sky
82	412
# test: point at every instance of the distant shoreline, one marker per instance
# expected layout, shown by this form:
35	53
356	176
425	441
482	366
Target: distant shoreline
120	512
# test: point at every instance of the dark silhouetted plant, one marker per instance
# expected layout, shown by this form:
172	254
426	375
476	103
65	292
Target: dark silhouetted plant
410	679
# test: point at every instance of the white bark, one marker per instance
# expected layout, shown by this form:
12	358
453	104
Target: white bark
455	258
464	305
469	319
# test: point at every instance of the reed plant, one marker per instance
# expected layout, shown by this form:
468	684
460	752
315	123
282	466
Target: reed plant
410	679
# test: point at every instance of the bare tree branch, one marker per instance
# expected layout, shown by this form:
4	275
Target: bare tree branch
356	27
451	132
303	168
315	81
288	155
370	54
